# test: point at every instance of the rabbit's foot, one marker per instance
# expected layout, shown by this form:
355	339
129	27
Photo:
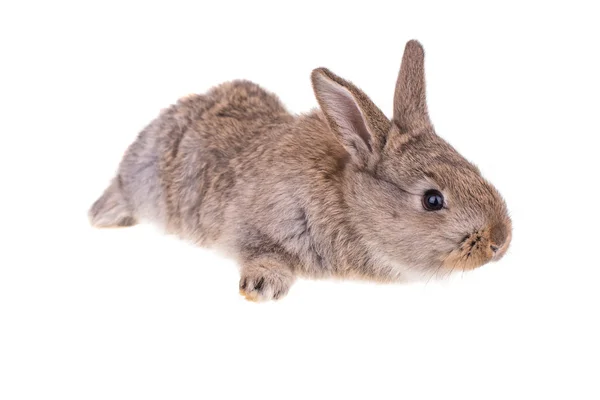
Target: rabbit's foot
264	280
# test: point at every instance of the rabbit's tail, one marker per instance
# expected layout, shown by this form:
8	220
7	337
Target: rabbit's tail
112	209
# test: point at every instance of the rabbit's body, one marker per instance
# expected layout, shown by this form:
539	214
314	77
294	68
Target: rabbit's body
192	153
232	169
217	169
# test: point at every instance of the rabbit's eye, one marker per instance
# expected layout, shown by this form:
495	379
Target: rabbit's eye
433	200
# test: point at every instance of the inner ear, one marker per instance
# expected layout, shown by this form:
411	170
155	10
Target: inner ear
346	113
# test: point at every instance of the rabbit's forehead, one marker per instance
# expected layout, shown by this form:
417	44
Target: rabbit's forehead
428	162
427	158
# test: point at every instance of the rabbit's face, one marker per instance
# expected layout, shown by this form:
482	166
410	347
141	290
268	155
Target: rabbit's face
426	208
414	200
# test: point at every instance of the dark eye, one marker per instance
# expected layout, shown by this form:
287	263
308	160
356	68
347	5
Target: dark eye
433	200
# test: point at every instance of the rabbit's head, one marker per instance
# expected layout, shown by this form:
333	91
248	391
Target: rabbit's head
414	200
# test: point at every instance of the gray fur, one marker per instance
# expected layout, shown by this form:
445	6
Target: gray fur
335	192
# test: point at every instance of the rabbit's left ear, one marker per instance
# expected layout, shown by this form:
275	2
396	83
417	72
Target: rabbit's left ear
359	125
410	102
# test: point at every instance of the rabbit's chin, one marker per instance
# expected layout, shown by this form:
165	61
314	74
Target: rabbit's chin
401	272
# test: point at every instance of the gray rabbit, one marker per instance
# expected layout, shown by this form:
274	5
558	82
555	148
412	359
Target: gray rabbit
336	192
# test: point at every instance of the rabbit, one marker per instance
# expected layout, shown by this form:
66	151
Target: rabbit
338	192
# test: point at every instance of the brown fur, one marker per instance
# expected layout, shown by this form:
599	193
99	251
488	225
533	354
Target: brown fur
335	192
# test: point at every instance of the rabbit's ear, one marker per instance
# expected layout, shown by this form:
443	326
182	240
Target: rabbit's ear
410	104
359	125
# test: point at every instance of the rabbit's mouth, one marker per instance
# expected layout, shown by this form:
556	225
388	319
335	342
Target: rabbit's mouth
471	254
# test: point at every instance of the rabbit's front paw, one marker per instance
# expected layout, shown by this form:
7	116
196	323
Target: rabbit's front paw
263	282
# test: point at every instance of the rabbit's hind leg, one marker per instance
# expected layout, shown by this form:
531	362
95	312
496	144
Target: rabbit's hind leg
112	210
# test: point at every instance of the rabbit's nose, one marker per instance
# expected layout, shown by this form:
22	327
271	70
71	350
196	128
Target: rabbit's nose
500	236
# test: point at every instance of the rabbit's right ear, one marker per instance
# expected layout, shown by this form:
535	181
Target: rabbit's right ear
360	126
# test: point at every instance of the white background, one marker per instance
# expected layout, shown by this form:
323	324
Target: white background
132	314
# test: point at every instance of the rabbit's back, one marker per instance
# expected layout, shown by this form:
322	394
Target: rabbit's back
180	171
